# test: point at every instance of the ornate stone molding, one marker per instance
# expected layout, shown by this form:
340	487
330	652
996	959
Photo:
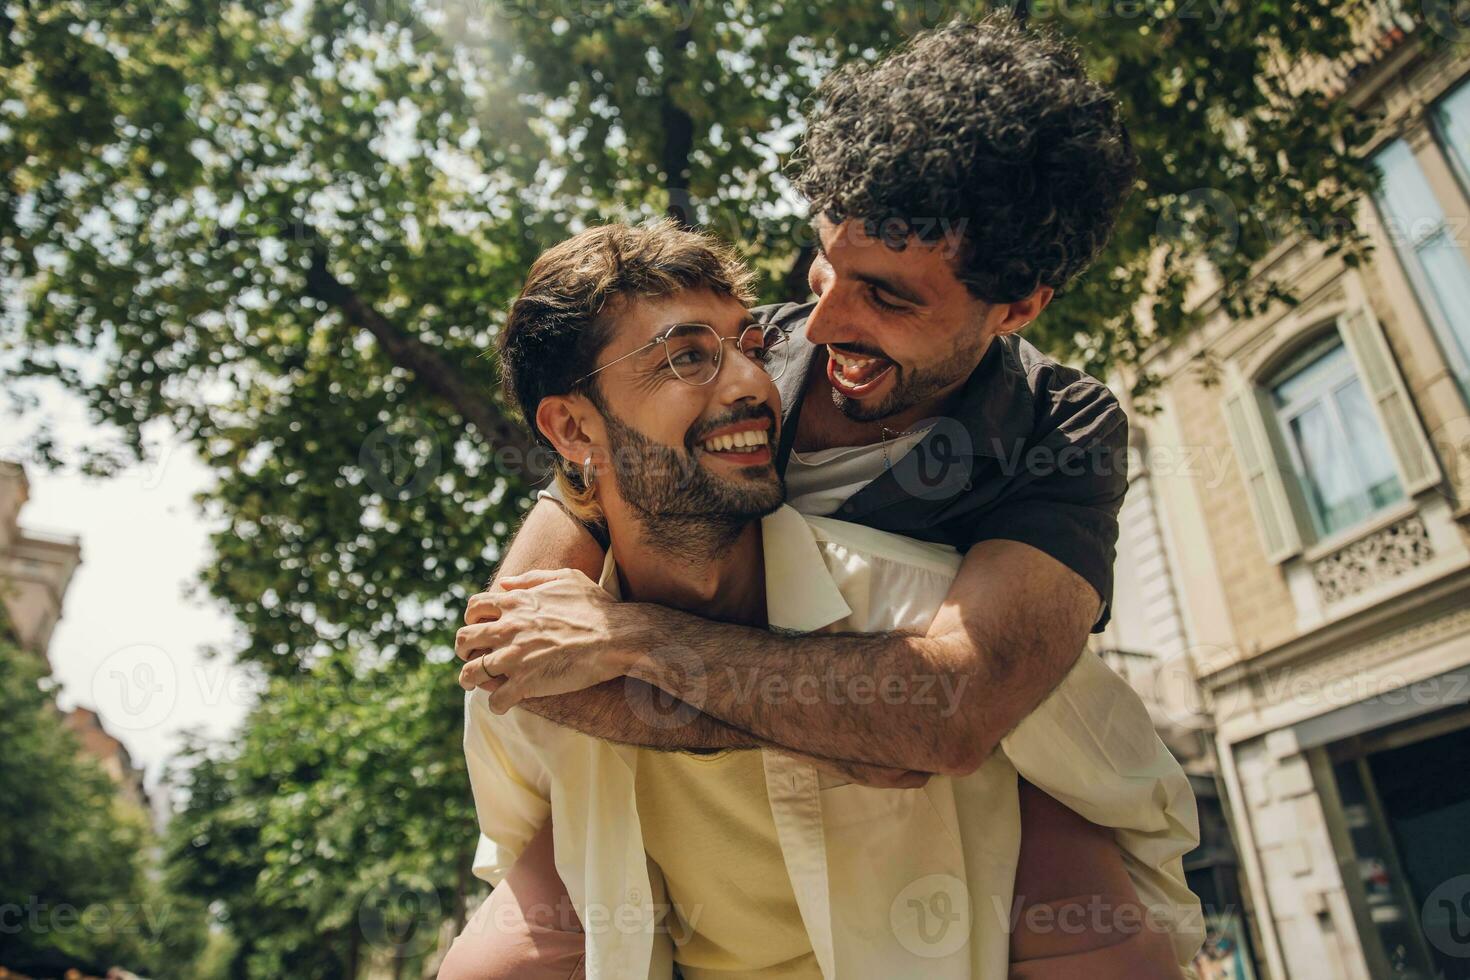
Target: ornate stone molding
1325	678
1385	554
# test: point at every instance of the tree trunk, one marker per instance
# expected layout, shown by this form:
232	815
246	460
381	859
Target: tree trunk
353	938
678	126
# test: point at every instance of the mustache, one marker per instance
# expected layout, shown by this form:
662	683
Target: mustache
732	417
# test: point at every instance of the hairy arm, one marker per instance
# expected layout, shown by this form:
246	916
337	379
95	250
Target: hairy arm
628	709
1012	626
625	710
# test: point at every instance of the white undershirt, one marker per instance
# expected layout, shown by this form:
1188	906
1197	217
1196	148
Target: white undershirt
817	483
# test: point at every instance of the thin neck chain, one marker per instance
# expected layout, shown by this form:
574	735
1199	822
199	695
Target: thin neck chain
887	436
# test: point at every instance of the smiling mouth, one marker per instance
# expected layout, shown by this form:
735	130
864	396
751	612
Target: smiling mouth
748	446
856	375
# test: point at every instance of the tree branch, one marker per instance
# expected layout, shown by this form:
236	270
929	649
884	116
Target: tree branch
427	364
677	125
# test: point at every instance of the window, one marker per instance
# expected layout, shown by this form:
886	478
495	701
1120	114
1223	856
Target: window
1425	241
1329	438
1452	119
1339	455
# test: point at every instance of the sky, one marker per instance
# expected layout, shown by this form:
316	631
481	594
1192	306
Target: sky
131	643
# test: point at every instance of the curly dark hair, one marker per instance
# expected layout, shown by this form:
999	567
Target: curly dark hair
986	129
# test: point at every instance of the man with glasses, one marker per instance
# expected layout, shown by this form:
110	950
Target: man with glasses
666	835
956	186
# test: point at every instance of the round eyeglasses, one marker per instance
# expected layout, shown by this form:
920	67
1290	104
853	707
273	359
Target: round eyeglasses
694	350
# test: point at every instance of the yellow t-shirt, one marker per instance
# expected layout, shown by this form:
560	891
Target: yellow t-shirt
707	824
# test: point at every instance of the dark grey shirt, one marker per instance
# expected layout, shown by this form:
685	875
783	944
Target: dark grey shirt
1031	450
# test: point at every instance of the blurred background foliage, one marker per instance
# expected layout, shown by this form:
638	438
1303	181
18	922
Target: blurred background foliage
289	230
80	888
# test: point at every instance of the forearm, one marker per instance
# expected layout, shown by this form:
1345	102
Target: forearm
882	699
1010	629
625	710
636	713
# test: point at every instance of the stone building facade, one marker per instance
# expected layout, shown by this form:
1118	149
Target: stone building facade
1294	567
36	568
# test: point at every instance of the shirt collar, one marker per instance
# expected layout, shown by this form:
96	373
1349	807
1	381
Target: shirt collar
801	596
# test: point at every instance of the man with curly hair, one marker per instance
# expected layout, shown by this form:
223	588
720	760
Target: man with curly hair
956	187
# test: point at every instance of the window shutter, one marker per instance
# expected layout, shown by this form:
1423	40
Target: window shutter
1386	390
1275	518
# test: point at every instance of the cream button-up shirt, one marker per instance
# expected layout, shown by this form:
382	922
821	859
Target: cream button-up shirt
890	883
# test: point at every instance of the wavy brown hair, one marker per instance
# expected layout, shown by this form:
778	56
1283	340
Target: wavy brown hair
560	323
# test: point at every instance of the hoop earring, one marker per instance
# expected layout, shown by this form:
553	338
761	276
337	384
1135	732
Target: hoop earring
588	473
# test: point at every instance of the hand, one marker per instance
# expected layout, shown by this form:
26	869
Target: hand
879	777
541	634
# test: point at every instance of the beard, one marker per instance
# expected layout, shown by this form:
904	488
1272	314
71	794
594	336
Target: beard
914	386
685	511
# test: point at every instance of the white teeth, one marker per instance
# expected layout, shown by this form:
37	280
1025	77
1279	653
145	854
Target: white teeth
737	440
848	361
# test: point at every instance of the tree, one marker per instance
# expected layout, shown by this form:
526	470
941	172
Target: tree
338	828
291	230
75	882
